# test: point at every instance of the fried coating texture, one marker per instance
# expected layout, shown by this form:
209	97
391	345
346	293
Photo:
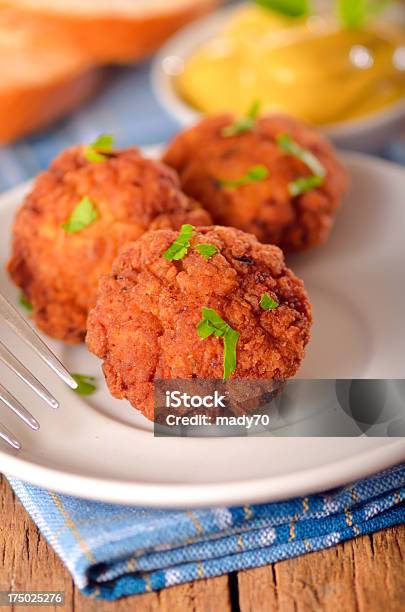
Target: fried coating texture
144	324
58	271
203	157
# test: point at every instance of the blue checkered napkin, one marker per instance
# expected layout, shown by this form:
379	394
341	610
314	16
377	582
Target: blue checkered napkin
113	551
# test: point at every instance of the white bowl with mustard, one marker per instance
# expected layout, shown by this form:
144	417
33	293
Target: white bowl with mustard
349	81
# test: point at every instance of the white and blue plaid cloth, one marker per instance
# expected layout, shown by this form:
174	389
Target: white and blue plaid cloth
113	551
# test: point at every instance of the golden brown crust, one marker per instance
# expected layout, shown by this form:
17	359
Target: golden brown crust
202	156
50	60
116	38
144	324
43	73
49	101
58	271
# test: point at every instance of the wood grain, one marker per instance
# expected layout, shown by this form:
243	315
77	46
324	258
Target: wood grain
363	575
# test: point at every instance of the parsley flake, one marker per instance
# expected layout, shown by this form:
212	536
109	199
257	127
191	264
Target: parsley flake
25	303
212	323
305	183
83	215
206	250
99	150
267	302
179	248
85	384
290	8
254	174
244	124
293	148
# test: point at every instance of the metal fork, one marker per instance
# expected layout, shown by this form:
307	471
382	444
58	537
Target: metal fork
22	329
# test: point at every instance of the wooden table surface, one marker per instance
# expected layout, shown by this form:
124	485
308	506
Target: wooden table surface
363	575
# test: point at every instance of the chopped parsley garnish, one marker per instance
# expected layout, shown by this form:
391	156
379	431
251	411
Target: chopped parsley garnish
305	183
290	8
244	124
293	148
267	302
254	174
178	249
354	13
99	150
82	216
212	323
25	303
206	250
85	384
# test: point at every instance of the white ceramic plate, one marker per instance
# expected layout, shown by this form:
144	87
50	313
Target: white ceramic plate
364	134
103	449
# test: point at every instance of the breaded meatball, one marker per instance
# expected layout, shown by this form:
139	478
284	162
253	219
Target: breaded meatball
206	160
58	270
144	325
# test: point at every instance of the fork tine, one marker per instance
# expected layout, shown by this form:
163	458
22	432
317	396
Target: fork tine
11	402
25	331
18	368
8	437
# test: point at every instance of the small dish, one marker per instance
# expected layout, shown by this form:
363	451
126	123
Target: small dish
365	135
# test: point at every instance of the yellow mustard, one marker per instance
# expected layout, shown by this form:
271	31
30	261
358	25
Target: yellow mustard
311	68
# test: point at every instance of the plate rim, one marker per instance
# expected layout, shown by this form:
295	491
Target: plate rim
295	484
175	495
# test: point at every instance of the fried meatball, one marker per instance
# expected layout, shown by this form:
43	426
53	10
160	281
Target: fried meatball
204	158
144	325
59	271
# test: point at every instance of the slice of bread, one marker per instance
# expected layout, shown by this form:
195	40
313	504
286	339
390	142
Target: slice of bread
43	74
115	30
49	50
